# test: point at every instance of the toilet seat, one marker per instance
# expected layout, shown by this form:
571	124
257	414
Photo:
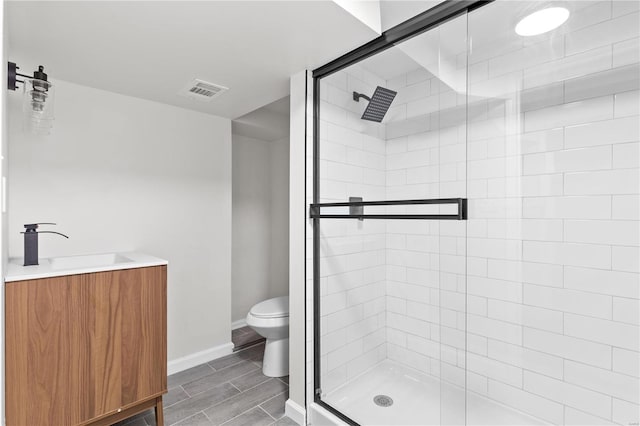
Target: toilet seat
278	307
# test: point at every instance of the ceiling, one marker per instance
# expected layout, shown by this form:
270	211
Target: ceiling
394	12
153	49
269	123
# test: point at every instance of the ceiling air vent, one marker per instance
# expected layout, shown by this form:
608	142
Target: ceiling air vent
203	90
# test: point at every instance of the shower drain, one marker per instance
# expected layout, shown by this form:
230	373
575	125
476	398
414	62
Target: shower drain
383	400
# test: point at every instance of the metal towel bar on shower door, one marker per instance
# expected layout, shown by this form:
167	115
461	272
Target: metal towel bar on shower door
315	209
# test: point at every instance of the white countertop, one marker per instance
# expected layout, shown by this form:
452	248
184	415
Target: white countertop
83	264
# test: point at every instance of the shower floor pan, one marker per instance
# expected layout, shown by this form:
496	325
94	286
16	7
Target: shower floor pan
416	401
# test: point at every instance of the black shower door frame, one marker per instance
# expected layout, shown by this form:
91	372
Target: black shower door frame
412	27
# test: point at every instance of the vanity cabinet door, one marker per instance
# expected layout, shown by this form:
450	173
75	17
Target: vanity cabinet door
48	357
143	293
82	347
105	325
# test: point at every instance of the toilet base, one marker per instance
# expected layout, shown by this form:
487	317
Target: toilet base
276	358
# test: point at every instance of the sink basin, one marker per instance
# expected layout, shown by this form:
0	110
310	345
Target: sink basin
87	261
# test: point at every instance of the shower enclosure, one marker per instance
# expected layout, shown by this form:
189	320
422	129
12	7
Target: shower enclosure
475	252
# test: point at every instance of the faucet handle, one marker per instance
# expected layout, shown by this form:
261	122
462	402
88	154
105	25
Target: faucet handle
31	227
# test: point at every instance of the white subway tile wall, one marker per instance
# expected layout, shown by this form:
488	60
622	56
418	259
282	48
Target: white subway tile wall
426	260
562	302
535	298
352	253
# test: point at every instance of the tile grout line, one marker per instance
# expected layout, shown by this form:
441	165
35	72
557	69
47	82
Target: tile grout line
255	406
199	365
265	411
253	387
220	384
185	391
235	417
169	390
273	397
186	418
217	403
207	417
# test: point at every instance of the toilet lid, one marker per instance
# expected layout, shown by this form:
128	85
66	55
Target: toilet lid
277	307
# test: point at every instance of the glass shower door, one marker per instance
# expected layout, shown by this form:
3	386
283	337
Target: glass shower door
527	313
390	232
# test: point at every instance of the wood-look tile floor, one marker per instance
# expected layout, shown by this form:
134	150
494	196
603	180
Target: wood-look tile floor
230	391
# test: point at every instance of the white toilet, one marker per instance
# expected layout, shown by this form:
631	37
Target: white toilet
270	319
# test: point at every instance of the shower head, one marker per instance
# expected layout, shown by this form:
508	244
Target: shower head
379	103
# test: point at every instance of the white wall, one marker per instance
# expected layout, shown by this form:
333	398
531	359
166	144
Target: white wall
260	211
367	12
251	234
298	184
279	253
121	173
3	172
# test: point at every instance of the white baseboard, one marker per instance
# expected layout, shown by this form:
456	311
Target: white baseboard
239	324
186	362
295	412
318	416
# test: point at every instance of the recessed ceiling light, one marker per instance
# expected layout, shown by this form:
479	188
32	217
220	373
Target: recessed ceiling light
542	21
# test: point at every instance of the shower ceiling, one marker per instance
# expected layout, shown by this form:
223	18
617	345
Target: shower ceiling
439	51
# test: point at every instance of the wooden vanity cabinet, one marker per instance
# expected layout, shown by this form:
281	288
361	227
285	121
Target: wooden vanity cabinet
85	349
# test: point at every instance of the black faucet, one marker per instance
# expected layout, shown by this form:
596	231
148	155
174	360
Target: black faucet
31	242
